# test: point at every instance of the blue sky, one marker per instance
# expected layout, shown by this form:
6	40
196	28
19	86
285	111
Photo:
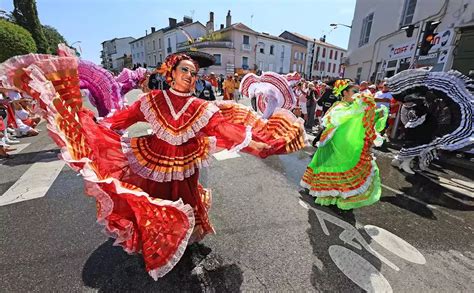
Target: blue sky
93	21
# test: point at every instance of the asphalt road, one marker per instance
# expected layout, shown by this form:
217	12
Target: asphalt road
270	235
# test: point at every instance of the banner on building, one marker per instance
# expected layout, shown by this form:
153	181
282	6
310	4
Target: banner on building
402	50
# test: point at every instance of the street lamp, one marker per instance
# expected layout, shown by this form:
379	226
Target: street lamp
336	24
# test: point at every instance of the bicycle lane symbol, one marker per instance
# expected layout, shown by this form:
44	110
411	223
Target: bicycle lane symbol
354	266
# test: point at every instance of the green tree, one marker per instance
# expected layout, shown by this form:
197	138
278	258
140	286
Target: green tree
15	40
53	37
26	15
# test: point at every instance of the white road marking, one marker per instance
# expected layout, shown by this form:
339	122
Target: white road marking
359	270
395	244
18	147
34	183
303	204
398	192
225	155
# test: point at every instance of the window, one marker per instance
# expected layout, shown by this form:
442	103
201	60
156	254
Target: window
317	65
272	49
169	42
159	43
335	55
408	12
294	67
366	27
329	67
322	66
143	54
218	59
324	52
296	55
330	54
342	55
154	48
245	62
317	52
281	70
161	58
246	40
334	68
262	50
154	58
359	73
301	68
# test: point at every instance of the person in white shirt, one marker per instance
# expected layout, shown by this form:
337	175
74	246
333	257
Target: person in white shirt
364	88
383	97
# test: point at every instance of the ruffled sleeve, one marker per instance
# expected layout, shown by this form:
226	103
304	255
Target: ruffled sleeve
230	136
123	119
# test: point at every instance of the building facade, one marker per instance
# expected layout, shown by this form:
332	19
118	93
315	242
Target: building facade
272	53
380	47
114	49
233	46
137	47
298	58
179	34
322	59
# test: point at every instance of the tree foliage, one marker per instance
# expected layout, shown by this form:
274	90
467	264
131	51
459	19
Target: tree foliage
53	37
15	40
26	15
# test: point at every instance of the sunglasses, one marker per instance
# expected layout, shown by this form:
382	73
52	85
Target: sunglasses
187	70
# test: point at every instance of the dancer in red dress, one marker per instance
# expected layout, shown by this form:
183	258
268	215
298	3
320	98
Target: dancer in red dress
147	188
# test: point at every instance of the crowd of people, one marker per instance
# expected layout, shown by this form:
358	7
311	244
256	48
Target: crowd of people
18	118
315	98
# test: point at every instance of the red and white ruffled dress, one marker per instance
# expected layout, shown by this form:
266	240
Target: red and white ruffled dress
146	188
165	165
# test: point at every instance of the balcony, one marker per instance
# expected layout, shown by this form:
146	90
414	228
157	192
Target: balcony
245	47
205	44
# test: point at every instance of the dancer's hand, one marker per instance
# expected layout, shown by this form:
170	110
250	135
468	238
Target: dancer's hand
259	146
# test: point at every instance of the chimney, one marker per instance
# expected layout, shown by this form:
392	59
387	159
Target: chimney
210	23
222	26
228	19
172	22
187	19
153	29
146	32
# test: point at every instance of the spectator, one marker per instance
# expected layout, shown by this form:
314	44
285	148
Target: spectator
383	97
372	89
364	87
236	87
229	87
204	90
214	84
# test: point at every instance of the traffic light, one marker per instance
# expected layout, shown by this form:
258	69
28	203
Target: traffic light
428	36
409	30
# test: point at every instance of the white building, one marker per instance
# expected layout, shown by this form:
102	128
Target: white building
326	60
138	51
379	47
175	35
153	42
273	53
114	49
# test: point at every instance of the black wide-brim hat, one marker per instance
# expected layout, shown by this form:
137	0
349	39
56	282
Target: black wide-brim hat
203	59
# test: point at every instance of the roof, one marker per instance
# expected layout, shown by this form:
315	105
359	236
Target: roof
136	40
306	38
114	39
238	26
265	35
